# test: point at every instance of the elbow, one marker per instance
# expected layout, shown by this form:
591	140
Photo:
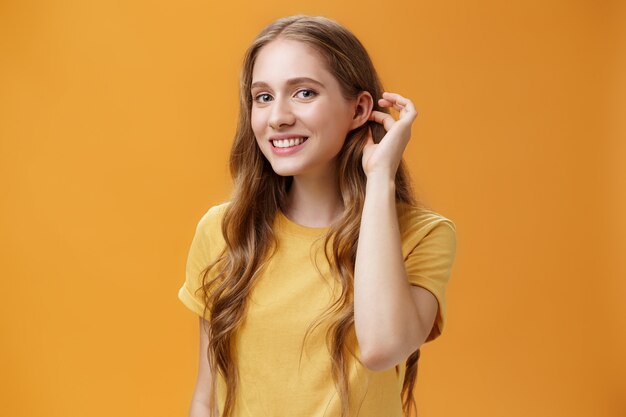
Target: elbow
375	361
380	357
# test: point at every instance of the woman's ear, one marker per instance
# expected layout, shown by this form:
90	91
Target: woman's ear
363	106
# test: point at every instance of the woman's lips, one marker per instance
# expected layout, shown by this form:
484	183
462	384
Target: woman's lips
288	150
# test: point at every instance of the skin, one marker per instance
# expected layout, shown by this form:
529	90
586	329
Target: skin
392	317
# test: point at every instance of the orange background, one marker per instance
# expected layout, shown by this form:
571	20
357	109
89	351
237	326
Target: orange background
115	122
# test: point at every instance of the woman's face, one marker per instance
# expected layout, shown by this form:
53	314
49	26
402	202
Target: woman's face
299	117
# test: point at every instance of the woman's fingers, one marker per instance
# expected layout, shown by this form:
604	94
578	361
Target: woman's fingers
396	98
388	152
398	102
383	118
401	104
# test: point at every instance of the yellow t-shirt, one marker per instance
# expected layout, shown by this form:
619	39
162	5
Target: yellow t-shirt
274	380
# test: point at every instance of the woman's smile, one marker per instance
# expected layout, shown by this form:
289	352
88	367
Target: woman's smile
288	146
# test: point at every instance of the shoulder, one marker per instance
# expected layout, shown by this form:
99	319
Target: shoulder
214	214
416	223
210	222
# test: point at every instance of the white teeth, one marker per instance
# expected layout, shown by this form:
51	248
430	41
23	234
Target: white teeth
286	143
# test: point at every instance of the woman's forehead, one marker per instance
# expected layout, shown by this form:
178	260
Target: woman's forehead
283	60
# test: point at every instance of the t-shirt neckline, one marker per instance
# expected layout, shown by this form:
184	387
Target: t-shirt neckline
292	227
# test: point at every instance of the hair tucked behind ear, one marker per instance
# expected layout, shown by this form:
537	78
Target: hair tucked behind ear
259	193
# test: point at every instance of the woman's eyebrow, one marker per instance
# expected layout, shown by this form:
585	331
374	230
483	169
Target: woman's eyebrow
291	81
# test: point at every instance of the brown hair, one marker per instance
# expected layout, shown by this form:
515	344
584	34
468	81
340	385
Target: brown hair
259	193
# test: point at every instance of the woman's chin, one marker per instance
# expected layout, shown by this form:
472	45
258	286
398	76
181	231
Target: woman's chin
284	171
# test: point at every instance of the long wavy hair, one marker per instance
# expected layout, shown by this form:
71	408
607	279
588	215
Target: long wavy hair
259	193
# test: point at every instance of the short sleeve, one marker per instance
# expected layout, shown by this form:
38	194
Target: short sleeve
202	252
429	265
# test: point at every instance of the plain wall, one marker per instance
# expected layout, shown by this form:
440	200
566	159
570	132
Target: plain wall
115	125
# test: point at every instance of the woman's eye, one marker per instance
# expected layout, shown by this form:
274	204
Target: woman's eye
309	93
257	98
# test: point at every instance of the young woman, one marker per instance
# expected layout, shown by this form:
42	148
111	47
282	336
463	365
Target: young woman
319	280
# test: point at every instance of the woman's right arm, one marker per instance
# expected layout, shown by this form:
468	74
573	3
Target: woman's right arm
204	383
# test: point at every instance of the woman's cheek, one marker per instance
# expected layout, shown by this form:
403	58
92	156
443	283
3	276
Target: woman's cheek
254	123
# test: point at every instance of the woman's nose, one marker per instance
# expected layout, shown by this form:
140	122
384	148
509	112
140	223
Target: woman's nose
281	114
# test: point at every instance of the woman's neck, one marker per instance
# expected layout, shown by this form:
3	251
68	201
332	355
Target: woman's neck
314	202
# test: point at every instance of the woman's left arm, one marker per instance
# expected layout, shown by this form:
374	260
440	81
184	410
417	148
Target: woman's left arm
392	317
